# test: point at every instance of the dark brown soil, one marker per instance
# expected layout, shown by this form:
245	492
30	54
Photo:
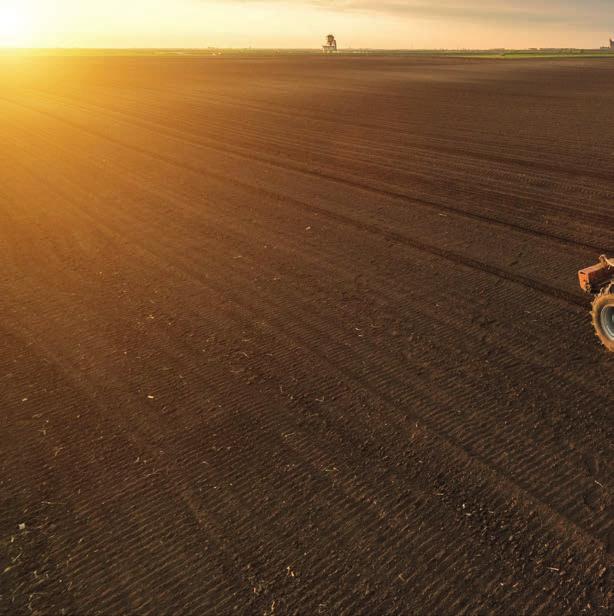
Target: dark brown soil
303	336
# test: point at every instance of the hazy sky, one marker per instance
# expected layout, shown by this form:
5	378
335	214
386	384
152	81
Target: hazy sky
303	23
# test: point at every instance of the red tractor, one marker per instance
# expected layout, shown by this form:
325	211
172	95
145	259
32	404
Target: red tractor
598	280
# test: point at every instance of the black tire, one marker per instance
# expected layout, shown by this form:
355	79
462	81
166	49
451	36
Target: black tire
603	319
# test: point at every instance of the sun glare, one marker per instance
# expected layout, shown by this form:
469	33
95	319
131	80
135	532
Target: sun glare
14	24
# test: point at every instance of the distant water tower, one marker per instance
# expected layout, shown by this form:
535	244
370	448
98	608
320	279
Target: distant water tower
331	44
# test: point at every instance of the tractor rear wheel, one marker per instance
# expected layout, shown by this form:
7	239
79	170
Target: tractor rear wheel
603	319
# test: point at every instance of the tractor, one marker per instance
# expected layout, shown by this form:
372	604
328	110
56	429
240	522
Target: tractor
598	281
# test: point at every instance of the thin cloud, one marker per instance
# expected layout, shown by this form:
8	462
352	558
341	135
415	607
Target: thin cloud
589	13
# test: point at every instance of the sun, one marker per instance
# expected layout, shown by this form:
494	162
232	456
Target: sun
14	25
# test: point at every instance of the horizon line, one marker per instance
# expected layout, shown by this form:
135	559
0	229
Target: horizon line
251	48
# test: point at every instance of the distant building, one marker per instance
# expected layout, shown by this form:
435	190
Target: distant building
611	44
331	44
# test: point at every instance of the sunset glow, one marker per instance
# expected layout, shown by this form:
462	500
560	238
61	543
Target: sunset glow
15	24
417	24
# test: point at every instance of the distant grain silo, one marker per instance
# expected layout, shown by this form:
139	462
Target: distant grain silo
331	44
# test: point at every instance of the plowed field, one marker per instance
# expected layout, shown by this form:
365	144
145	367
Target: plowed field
302	335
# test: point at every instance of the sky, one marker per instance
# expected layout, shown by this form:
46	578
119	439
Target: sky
386	24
